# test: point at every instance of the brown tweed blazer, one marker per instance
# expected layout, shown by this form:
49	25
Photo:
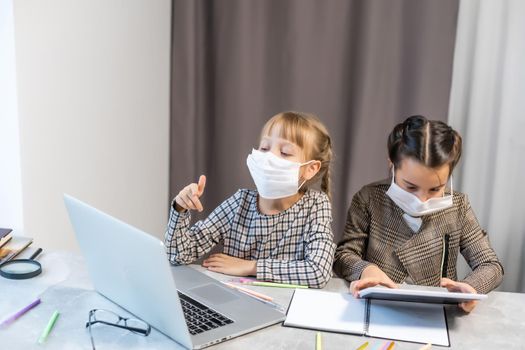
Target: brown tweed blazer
376	233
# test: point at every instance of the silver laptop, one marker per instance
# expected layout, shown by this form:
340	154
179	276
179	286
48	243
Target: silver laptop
131	268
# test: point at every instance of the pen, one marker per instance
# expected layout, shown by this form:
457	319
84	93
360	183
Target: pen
49	327
318	344
277	285
19	313
249	291
363	346
261	297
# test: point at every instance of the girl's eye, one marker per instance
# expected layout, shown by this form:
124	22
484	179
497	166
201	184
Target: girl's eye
434	190
411	188
284	154
264	149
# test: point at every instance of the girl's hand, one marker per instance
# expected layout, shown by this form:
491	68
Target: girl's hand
371	276
230	265
460	287
188	198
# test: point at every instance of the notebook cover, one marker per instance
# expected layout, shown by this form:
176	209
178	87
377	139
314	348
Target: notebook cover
5	235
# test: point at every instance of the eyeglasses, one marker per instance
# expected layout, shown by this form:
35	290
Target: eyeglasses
112	319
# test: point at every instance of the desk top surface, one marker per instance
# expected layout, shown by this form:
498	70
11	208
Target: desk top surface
64	285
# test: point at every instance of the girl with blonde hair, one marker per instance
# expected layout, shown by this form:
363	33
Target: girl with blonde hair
280	232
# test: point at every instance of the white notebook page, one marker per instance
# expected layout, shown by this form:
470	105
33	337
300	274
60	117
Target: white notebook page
415	322
337	312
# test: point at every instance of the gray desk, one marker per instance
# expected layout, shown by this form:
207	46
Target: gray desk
497	323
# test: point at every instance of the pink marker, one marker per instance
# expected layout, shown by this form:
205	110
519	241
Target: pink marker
246	280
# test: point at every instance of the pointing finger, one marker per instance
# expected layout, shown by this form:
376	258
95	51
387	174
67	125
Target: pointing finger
201	184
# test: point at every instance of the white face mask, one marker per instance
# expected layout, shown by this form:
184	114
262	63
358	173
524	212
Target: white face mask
274	177
412	205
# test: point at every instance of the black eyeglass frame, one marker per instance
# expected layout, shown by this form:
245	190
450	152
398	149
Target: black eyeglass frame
142	331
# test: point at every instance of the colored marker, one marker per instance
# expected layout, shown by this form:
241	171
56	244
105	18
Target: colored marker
363	346
261	297
249	291
246	280
318	342
49	327
276	285
19	313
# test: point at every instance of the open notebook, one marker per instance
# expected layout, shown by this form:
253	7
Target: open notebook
341	312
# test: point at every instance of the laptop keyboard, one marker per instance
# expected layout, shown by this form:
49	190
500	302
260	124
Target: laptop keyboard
199	317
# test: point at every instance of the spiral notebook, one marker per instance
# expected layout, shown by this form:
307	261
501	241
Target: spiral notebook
341	312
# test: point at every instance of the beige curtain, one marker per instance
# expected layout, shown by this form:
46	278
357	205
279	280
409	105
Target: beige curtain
488	107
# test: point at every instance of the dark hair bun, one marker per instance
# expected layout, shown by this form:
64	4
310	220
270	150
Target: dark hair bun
431	142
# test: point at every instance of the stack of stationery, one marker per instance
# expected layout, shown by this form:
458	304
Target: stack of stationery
5	235
14	247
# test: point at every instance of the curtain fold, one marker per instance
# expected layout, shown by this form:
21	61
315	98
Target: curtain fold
361	66
487	106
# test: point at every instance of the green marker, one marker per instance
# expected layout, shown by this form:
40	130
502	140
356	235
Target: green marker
277	285
48	328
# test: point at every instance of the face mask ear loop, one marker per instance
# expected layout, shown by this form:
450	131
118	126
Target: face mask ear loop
306	163
301	185
300	165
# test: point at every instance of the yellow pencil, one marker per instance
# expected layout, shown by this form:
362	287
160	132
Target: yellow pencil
426	347
318	345
391	346
363	347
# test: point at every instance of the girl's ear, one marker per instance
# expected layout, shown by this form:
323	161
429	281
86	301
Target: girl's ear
311	169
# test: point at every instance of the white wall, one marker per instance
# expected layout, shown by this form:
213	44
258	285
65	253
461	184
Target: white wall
10	180
93	89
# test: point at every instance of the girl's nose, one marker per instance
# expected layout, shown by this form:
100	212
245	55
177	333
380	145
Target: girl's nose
276	151
423	197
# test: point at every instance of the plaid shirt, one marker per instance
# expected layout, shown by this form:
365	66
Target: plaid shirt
376	233
295	246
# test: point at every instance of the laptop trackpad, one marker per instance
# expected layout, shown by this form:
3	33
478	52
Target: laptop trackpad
213	293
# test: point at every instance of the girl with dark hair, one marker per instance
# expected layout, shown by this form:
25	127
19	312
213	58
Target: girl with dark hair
410	228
